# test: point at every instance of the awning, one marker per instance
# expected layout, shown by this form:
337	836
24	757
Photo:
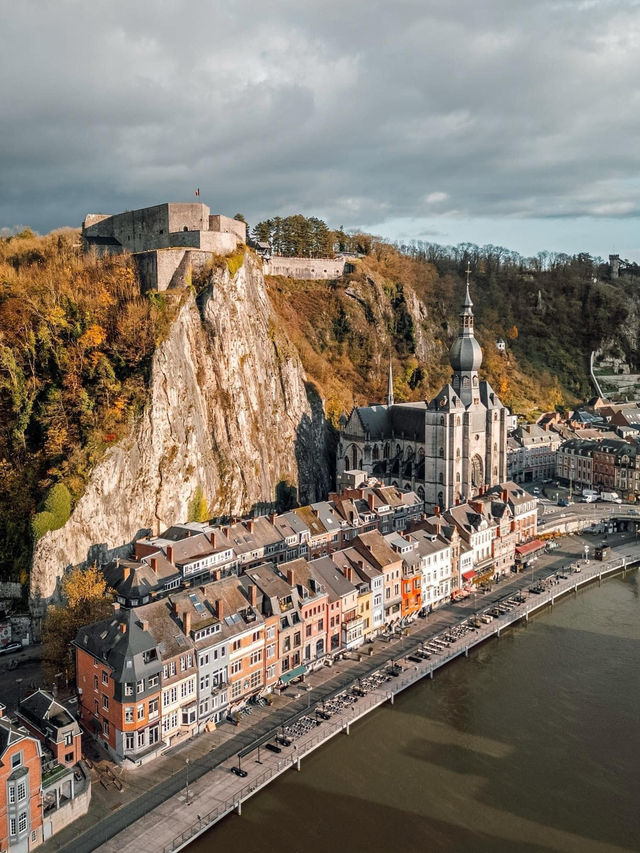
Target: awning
293	673
468	575
530	547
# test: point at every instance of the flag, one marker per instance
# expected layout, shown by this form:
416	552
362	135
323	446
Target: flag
198	192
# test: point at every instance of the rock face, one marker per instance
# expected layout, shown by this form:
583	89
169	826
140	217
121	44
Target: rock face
229	411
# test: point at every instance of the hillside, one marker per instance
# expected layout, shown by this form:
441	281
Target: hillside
120	411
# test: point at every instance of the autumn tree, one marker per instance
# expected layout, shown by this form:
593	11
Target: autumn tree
85	600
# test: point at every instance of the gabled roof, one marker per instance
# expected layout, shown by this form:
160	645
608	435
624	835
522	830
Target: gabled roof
41	709
120	643
328	574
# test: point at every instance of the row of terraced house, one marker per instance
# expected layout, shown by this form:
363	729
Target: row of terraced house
208	617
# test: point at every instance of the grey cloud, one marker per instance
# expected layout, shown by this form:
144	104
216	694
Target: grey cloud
358	112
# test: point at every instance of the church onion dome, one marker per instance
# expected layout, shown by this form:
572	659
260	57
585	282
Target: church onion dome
465	354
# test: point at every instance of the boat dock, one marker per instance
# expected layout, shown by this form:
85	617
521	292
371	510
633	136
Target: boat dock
198	805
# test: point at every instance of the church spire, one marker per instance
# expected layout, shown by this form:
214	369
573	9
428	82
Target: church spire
465	354
390	385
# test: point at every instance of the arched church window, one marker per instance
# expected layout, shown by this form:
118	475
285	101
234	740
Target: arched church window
458	420
407	486
354	456
398	450
495	472
440	499
346	463
387	450
441	451
458	477
477	471
441	477
376	453
465	382
475	381
421	453
186	228
457	453
442	420
420	493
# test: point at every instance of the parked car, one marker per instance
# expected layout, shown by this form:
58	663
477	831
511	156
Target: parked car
12	647
564	502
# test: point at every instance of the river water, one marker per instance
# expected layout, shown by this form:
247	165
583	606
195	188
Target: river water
531	744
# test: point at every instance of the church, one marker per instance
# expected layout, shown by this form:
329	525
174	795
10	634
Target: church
447	450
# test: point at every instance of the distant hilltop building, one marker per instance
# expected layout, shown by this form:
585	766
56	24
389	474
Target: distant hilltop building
446	450
168	240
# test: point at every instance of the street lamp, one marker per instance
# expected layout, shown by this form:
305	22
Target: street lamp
586	553
188	799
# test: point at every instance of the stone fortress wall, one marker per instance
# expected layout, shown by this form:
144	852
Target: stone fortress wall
307	268
168	240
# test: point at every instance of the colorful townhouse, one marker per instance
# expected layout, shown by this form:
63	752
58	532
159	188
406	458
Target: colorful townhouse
411	584
314	611
20	788
377	551
39	794
118	673
347	630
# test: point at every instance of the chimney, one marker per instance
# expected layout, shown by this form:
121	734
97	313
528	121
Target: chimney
213	540
291	577
116	606
250	525
186	623
126	571
348	573
436	510
154	564
188	533
225	531
409	537
144	624
361	564
505	496
170	553
220	608
370	499
122	627
174	605
272	518
253	594
217	574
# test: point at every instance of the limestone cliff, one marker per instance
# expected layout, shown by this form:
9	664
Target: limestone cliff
229	411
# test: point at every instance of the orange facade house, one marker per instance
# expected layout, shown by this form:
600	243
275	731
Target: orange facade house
20	788
118	672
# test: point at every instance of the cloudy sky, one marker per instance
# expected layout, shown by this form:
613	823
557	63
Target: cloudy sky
514	122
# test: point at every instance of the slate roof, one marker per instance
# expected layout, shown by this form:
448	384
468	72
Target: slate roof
120	650
328	574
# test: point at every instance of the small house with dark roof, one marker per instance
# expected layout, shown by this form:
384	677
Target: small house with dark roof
53	725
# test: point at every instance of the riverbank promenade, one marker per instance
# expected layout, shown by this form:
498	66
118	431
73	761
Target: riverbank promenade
200	792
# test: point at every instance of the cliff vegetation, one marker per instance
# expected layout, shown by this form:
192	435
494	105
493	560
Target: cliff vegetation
76	339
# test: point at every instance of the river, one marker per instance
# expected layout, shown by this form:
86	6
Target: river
531	744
